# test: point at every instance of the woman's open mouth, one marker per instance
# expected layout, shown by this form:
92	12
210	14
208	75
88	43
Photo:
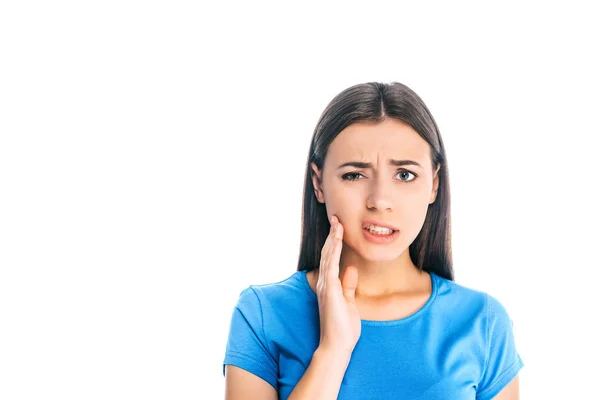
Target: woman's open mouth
380	236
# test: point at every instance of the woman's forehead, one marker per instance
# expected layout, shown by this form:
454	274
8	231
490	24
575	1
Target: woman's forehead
370	142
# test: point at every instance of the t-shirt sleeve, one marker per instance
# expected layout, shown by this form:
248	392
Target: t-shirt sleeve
247	345
502	361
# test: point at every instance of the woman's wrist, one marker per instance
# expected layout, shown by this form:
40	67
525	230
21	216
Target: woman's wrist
333	356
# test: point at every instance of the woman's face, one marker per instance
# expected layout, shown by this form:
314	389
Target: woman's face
397	194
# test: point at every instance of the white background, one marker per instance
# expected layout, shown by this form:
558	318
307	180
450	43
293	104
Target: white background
152	159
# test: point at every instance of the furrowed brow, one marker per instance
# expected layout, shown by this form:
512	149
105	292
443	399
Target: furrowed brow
395	163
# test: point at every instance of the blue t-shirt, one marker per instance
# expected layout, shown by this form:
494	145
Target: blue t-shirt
459	345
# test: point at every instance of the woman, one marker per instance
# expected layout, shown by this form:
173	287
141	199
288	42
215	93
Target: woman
373	311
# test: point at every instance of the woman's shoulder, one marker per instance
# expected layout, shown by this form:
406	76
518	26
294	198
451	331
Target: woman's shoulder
456	289
457	294
293	288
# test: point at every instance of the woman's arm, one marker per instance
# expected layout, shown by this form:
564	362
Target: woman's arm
340	323
243	385
510	392
323	378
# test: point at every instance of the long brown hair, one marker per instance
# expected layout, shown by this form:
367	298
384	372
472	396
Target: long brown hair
431	250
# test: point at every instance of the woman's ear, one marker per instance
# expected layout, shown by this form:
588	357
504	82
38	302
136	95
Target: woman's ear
317	182
436	183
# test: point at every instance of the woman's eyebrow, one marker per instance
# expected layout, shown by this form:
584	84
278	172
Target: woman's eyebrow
395	163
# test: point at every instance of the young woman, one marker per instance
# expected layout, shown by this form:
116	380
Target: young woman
372	311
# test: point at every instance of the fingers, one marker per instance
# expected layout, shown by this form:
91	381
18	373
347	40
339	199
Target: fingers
333	265
349	282
330	254
325	256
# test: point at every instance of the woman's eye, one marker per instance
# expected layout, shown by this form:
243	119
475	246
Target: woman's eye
404	176
405	173
352	176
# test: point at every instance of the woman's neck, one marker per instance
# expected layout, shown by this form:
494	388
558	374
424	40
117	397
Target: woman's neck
378	279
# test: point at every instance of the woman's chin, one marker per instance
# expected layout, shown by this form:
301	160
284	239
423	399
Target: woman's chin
375	252
375	255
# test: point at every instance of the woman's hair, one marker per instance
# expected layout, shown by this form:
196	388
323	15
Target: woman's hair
431	250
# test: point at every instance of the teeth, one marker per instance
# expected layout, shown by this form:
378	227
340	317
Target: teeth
379	230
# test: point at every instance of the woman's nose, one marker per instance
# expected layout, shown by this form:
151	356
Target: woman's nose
380	197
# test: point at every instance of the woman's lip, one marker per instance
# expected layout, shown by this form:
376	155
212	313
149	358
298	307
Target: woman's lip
377	223
393	230
380	239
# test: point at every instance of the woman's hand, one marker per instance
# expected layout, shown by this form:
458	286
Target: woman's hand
339	316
